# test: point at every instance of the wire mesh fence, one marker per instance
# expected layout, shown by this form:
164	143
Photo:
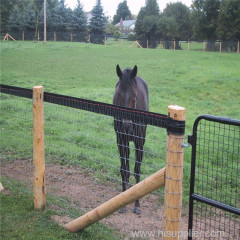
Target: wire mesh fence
82	156
215	180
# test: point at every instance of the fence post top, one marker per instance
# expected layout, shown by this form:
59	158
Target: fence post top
177	112
38	87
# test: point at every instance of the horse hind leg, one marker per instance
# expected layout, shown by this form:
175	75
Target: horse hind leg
137	172
124	181
125	173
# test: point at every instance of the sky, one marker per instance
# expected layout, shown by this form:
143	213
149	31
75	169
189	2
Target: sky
110	6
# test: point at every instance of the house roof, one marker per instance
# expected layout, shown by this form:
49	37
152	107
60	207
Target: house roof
126	23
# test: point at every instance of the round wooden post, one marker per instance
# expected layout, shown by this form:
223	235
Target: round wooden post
174	177
174	43
188	45
147	43
89	38
39	188
203	45
238	47
220	47
23	35
138	191
54	36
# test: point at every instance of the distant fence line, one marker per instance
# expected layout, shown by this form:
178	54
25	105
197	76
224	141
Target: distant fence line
189	45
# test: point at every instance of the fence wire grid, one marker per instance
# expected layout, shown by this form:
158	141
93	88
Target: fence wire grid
82	157
217	171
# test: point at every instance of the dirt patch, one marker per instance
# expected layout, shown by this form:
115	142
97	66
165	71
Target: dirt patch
86	193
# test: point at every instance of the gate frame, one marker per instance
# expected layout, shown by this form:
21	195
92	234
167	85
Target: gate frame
192	139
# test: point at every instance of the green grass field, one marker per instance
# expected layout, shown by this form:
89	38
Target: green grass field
202	82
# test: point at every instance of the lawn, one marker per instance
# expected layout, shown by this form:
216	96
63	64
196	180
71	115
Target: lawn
203	82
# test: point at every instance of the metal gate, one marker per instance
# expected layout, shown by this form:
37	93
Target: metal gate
214	205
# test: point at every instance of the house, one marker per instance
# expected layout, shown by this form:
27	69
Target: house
126	26
88	16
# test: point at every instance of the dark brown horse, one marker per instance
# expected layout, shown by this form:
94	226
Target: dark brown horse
132	92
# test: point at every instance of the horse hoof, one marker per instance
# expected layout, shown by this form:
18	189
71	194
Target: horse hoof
122	210
137	210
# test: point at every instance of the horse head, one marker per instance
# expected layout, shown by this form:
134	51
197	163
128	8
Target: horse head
127	94
127	87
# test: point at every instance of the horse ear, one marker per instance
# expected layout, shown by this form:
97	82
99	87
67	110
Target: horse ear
134	72
119	72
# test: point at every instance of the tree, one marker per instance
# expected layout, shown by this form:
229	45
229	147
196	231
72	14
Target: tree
122	12
205	18
97	23
29	19
168	30
181	14
59	17
117	35
79	22
14	21
229	20
6	8
138	24
110	28
152	8
146	23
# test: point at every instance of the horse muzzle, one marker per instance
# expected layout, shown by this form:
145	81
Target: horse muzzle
127	127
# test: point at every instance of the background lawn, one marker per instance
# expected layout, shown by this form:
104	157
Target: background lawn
203	82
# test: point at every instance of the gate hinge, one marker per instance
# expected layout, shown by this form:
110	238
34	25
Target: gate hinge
184	145
190	138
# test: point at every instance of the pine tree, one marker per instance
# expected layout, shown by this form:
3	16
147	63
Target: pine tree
122	12
152	8
14	21
60	17
146	23
79	21
97	23
29	19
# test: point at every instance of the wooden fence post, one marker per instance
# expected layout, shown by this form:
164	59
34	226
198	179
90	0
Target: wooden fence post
38	36
71	37
203	45
238	47
39	188
174	177
188	45
174	43
89	38
147	43
23	35
54	36
220	47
